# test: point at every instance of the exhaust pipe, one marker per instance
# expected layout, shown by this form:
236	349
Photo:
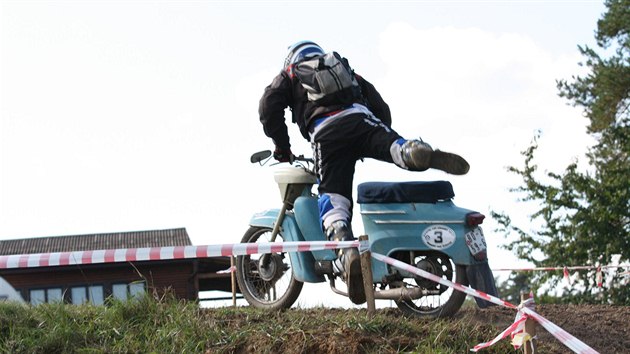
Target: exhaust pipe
401	293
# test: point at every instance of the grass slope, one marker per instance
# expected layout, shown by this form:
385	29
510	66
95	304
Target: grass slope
165	325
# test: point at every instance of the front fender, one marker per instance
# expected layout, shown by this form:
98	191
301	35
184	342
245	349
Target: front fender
302	263
265	219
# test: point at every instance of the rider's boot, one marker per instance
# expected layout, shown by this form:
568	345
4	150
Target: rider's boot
348	260
419	156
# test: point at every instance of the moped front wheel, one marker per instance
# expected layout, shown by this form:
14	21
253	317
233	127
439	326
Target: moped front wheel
266	281
438	300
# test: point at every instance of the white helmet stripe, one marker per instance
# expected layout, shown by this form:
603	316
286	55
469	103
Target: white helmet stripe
296	52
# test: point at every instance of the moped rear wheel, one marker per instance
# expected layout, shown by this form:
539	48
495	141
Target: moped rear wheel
266	281
438	300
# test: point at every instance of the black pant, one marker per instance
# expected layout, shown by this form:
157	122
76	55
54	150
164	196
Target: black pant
339	145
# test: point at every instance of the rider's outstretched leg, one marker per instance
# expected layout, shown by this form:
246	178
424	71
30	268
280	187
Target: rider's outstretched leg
416	155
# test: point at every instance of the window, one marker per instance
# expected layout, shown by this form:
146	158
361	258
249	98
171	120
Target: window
40	296
96	294
128	291
119	291
92	293
136	289
54	295
79	295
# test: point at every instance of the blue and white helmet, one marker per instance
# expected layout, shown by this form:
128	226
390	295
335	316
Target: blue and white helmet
301	50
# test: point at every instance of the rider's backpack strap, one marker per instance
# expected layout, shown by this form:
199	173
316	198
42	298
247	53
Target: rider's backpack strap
404	192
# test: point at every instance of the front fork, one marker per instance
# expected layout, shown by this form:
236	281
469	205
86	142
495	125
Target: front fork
278	225
265	259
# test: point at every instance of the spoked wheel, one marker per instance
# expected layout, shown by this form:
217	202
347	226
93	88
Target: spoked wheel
438	300
266	281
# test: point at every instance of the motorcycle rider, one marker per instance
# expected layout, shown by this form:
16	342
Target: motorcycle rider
340	135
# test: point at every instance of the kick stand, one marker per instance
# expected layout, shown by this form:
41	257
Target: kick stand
366	272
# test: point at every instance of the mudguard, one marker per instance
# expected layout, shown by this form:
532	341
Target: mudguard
481	278
302	263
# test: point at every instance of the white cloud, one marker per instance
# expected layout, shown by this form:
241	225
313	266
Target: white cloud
483	95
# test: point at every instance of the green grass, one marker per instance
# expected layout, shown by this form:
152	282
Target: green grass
166	325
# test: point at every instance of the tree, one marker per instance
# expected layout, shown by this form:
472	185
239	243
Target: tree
512	288
585	216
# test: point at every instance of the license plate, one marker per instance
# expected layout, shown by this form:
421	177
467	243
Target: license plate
476	243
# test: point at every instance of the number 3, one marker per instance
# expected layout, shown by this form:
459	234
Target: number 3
438	237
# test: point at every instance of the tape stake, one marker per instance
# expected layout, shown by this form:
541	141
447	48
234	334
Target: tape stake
520	335
364	245
566	276
508	331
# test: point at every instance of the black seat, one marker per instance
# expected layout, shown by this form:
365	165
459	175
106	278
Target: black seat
404	192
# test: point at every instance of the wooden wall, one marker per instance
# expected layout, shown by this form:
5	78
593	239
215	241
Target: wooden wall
177	275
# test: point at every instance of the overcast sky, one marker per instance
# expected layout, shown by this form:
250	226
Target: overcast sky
139	115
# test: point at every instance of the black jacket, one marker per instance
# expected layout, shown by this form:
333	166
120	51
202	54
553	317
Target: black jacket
285	91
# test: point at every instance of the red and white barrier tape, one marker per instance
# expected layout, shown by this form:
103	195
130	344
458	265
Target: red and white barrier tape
508	331
435	278
519	334
565	271
185	252
515	329
163	253
561	268
232	269
542	268
564	337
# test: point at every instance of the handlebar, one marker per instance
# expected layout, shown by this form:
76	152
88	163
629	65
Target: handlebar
263	156
303	159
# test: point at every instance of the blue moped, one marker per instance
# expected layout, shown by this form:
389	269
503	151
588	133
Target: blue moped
414	222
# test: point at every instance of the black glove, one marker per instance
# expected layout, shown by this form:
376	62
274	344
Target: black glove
283	154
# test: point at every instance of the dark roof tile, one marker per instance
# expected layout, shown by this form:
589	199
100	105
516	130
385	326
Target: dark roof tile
132	239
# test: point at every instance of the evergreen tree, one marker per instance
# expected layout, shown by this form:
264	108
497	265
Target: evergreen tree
586	215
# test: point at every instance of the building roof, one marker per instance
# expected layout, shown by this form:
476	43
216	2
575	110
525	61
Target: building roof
132	239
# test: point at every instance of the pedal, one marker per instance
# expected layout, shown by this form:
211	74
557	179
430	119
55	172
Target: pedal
323	267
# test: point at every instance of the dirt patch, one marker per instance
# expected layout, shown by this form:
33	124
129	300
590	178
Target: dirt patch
349	331
603	328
